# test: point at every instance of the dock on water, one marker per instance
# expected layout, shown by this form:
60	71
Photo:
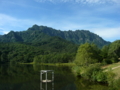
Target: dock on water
46	75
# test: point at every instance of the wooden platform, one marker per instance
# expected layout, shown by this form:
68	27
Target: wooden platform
46	81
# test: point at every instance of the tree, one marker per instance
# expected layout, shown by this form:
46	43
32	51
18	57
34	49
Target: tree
3	58
87	54
114	51
104	54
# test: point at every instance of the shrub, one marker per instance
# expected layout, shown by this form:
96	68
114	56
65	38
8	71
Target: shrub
94	73
76	70
110	78
101	76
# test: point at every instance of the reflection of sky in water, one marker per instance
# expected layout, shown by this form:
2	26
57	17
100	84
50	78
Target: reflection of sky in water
27	77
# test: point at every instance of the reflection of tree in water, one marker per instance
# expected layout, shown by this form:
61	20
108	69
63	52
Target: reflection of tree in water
83	84
18	77
27	77
64	79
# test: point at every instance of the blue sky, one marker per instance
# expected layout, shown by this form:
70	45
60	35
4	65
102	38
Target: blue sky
98	16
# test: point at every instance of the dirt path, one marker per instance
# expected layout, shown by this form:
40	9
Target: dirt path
113	68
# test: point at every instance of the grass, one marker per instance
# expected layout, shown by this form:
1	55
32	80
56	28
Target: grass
115	69
58	64
27	63
53	64
117	72
111	66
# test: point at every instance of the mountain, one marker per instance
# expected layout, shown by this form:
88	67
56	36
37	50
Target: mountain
42	44
37	34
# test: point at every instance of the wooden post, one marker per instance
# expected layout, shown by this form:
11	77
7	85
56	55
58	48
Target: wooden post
52	76
46	79
46	76
41	77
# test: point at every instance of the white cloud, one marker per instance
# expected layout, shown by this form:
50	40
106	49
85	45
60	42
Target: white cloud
108	33
6	19
117	1
82	1
10	23
3	31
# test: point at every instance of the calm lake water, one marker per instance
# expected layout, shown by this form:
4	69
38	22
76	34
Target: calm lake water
27	77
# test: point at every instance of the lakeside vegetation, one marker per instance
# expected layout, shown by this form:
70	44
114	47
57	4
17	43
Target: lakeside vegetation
115	68
50	64
90	60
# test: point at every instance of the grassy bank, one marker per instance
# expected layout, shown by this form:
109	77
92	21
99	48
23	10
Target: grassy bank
27	63
58	64
53	64
115	68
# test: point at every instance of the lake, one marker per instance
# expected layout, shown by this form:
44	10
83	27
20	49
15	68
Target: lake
27	77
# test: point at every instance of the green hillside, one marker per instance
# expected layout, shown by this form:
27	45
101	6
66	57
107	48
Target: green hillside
40	33
61	50
41	44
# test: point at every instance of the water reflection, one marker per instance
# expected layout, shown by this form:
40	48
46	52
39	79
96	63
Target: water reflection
44	85
47	80
27	77
83	84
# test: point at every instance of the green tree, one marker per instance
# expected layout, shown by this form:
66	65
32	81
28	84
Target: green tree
4	57
114	51
87	54
104	55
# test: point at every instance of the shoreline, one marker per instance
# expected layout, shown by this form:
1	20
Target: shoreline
51	64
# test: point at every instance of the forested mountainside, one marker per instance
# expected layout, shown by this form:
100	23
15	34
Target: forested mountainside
53	50
39	34
41	44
